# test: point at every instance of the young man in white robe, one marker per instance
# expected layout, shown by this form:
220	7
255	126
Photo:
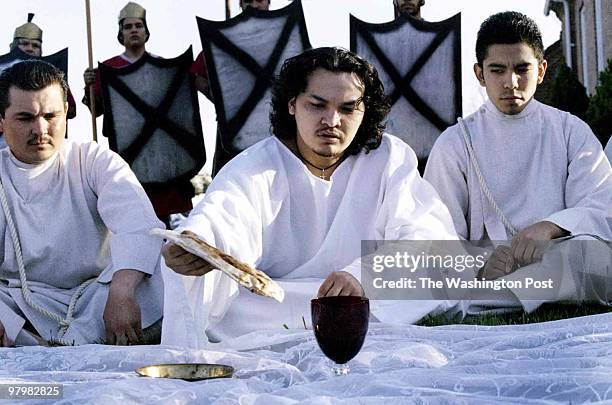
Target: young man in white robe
546	171
77	264
297	206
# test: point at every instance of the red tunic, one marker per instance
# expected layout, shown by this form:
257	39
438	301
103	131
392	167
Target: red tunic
198	67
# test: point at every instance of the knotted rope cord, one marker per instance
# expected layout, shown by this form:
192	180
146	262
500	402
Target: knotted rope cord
64	323
481	181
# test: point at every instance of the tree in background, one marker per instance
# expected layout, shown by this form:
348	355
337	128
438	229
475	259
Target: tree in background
599	112
568	94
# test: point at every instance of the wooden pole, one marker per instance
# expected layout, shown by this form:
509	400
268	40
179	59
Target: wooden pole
228	14
92	94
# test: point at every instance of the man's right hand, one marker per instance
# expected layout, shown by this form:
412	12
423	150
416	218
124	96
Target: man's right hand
183	262
89	76
340	283
499	264
4	340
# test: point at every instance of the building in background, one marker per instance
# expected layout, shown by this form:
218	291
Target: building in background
586	36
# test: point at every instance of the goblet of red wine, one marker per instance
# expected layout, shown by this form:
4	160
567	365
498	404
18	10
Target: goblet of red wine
340	325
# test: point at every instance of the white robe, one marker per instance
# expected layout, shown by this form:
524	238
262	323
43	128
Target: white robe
81	214
608	149
542	164
266	209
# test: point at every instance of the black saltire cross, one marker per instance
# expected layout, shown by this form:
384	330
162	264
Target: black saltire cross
210	33
155	116
403	85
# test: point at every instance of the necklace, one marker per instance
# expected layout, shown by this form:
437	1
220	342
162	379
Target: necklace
321	169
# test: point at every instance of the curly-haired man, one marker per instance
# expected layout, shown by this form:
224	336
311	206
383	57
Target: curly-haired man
298	204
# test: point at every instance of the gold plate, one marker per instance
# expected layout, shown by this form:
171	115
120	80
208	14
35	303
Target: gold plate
187	371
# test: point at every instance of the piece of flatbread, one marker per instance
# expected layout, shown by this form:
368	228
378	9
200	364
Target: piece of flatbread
252	279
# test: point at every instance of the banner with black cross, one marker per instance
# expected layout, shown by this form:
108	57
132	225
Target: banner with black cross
419	64
242	55
152	118
58	59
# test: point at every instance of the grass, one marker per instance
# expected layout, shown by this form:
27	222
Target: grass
545	313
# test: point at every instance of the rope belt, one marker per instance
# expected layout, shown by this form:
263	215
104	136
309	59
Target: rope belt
485	190
64	323
481	181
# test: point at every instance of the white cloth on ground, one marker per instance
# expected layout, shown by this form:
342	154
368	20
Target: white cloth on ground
266	209
560	362
80	215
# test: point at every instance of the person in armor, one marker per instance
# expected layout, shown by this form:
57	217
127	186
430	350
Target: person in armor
133	34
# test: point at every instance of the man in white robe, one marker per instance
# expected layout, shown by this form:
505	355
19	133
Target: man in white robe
544	168
90	270
298	205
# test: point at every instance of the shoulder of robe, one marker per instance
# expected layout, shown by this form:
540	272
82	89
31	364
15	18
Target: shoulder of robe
449	141
252	161
571	125
395	153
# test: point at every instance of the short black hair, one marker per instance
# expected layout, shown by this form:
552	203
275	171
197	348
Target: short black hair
293	80
508	27
120	34
29	75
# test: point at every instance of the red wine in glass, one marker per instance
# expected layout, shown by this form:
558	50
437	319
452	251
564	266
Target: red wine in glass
340	325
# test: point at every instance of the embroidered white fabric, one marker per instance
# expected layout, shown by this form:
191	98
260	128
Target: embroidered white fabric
566	361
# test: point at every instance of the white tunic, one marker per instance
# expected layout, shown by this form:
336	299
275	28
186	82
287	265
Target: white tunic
81	214
540	164
265	208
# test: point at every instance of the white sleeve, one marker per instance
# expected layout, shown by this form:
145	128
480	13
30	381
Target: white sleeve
125	210
588	189
411	208
447	172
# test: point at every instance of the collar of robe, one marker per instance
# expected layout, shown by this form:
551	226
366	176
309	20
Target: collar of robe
33	168
530	108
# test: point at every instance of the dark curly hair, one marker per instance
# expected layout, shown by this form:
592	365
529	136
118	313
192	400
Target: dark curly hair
293	80
508	27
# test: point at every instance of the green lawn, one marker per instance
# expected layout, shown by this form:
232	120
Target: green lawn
547	312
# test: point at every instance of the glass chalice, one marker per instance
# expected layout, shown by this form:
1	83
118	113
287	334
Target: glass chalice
340	325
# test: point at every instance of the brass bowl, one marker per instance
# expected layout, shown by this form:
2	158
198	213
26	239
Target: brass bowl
187	371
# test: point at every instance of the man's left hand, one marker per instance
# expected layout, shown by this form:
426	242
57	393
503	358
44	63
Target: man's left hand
529	245
340	283
122	317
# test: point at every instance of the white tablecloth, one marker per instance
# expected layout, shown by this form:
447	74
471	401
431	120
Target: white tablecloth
568	361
